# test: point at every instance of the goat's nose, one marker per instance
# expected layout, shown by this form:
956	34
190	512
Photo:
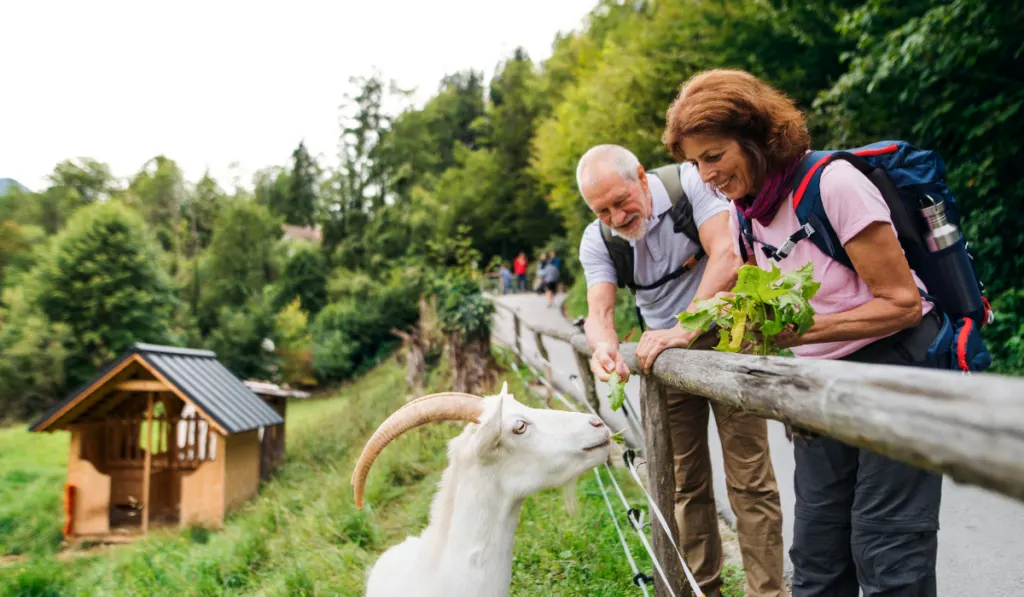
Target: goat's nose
596	422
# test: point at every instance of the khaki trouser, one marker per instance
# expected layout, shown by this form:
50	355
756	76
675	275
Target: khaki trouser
752	489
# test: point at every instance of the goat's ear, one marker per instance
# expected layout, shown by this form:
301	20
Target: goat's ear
488	435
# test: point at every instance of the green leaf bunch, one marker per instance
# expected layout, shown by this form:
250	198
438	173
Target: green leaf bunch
763	304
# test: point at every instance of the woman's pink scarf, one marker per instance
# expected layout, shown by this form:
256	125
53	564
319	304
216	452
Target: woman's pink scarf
773	192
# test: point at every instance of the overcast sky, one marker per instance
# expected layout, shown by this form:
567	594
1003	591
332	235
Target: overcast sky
212	82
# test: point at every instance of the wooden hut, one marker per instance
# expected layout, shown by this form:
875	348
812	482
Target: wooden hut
161	435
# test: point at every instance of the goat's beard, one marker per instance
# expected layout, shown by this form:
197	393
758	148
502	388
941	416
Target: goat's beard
569	497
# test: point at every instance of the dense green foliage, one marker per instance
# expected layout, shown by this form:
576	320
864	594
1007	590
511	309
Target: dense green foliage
490	158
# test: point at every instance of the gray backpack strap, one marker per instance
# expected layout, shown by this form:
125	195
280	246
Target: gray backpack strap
669	176
682	210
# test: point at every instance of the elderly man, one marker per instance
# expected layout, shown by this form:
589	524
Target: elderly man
666	237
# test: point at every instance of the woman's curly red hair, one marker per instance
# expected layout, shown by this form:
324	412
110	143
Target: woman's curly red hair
738	105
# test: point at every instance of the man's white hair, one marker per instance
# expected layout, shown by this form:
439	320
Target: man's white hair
600	158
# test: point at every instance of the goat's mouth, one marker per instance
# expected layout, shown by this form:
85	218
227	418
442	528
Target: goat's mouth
603	444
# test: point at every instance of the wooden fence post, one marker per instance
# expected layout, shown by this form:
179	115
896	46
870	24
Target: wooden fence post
538	339
519	341
587	378
661	480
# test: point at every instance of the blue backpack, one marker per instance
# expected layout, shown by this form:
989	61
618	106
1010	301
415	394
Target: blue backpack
912	182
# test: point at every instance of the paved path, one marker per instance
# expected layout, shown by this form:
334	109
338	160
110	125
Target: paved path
981	542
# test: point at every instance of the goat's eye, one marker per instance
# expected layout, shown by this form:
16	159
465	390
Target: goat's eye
520	428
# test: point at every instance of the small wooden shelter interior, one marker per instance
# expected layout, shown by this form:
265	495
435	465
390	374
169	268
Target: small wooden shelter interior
163	436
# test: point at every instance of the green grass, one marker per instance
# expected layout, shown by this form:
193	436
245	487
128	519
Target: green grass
302	535
625	310
32	472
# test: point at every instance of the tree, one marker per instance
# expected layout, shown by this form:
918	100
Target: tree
91	180
302	208
73	184
512	116
304	277
270	188
158	192
241	260
201	208
103	282
356	188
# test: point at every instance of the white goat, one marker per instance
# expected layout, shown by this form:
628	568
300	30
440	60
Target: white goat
507	452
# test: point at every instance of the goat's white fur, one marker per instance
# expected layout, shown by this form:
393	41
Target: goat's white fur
466	549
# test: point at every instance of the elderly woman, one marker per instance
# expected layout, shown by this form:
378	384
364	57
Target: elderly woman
862	520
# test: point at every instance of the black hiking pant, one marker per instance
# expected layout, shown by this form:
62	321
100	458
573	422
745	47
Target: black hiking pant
862	520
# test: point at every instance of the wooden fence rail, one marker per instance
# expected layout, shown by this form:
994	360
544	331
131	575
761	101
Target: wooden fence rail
968	427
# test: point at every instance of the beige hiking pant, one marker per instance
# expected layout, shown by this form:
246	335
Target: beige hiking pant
752	490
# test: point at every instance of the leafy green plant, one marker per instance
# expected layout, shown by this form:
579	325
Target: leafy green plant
762	305
618	395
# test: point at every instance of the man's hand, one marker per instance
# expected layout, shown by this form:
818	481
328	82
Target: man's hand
654	341
607	359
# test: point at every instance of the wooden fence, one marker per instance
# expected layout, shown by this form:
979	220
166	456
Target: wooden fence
968	427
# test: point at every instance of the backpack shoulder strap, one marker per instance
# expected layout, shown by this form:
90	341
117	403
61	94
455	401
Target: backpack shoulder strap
681	211
621	253
809	209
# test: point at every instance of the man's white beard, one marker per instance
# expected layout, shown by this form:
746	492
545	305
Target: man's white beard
634	232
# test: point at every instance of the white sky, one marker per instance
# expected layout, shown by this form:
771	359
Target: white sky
212	82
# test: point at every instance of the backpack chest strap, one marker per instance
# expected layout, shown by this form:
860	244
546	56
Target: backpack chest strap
780	253
687	265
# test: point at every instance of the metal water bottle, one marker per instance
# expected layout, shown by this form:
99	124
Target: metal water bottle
941	233
958	293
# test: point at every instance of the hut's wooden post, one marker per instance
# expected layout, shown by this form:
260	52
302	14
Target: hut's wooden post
148	466
662	483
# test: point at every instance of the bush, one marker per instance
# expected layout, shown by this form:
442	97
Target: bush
355	329
304	277
239	339
293	346
32	359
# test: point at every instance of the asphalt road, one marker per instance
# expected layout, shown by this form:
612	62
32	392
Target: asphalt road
981	541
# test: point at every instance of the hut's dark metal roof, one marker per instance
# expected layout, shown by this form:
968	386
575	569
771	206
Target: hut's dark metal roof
203	379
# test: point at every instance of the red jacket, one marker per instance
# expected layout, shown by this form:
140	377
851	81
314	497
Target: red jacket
519	266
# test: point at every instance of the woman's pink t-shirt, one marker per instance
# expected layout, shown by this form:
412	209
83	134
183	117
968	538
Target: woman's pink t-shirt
851	202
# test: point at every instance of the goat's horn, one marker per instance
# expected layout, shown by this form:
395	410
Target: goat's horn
446	406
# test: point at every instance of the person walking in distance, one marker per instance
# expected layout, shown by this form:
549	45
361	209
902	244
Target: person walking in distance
549	278
665	235
519	269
